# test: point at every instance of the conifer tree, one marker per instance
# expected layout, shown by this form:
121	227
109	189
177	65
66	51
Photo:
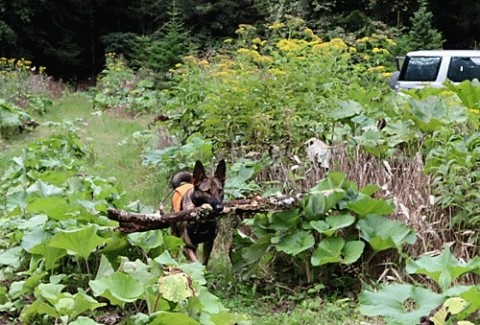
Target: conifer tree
423	35
164	48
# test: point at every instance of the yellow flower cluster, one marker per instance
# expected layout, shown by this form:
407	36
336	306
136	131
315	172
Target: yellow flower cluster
276	25
379	68
335	44
196	61
277	72
255	56
377	50
22	64
291	45
244	29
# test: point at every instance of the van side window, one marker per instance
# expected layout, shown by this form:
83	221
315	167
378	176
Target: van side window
417	68
463	68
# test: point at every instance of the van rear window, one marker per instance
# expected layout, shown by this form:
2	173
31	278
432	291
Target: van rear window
419	68
463	68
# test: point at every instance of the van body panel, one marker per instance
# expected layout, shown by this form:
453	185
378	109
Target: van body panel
432	68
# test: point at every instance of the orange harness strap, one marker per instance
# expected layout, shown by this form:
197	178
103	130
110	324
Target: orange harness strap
178	196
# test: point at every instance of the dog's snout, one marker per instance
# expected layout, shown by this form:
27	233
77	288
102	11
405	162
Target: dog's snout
217	206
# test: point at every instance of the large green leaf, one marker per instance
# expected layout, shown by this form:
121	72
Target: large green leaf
295	243
337	250
470	293
468	92
332	223
105	268
347	109
399	303
255	252
38	307
49	291
168	318
119	288
11	257
382	233
284	220
443	269
326	194
81	242
33	239
165	259
43	190
432	113
84	321
352	251
55	207
366	205
146	240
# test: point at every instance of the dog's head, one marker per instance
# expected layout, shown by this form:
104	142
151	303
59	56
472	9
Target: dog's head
209	189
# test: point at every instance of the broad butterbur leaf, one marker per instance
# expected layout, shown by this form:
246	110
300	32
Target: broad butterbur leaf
55	207
443	269
118	288
83	321
168	318
11	257
382	233
326	194
81	242
399	303
44	190
337	250
165	259
105	268
469	293
332	223
146	240
176	287
451	306
295	243
366	205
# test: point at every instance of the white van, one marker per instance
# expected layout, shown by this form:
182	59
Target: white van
431	68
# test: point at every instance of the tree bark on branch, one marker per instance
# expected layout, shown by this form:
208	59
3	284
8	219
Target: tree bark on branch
130	222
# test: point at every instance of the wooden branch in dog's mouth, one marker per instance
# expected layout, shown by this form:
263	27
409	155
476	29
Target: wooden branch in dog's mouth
130	222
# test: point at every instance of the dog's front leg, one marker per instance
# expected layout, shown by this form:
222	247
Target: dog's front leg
190	249
207	250
190	254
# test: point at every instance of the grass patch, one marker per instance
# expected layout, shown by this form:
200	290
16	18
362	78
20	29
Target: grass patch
113	151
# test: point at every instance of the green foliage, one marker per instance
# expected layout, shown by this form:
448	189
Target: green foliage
25	85
422	35
120	88
23	93
406	303
454	170
59	251
276	91
399	303
13	119
165	48
444	269
175	158
327	229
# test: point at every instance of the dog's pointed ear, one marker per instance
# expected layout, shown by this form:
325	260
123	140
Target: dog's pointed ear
198	172
221	171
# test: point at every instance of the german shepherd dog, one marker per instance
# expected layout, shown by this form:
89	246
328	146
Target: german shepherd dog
194	190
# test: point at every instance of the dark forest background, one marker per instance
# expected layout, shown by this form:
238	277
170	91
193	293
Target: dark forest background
70	37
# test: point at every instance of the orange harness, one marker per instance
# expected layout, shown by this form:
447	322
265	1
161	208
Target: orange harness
178	196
